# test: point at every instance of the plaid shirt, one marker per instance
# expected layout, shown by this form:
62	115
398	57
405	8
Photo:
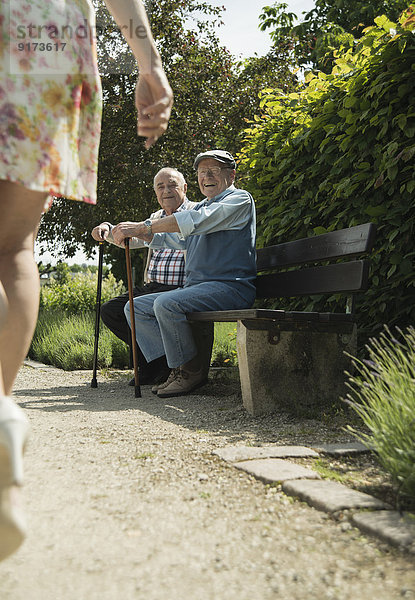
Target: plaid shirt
167	266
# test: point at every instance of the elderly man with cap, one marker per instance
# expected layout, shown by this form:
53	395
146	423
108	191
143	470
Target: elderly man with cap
218	235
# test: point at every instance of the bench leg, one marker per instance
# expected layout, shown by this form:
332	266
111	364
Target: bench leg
293	370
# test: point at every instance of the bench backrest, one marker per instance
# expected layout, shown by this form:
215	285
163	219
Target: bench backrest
351	276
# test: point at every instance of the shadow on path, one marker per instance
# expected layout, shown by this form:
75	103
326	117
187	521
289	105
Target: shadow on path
215	408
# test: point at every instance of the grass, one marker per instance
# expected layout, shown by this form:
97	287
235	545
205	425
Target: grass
383	394
324	469
224	345
66	340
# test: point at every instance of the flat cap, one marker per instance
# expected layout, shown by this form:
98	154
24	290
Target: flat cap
221	156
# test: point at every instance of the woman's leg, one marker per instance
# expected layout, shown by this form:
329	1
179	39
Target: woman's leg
20	211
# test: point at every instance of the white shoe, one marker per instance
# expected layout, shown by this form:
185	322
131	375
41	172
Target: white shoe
14	429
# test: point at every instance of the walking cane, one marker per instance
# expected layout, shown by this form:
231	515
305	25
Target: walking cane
94	383
132	315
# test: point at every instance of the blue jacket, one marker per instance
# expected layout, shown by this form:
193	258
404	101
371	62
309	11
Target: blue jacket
219	237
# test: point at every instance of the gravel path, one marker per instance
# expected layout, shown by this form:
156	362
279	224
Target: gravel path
126	501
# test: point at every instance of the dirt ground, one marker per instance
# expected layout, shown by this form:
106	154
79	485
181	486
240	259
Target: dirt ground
125	501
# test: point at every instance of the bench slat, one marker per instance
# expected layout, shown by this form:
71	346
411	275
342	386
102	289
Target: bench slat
268	314
328	279
328	246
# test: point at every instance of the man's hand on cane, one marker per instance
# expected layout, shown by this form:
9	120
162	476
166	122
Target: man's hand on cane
128	229
100	232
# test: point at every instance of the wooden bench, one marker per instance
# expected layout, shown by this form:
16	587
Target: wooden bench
296	360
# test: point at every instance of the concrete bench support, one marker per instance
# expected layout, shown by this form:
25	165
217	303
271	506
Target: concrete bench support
294	370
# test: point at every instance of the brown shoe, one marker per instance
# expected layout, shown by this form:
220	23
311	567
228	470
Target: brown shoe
183	382
161	386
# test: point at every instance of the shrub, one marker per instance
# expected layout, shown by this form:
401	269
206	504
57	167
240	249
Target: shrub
340	153
383	394
79	292
67	342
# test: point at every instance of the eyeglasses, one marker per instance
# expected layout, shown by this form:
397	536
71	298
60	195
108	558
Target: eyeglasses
211	170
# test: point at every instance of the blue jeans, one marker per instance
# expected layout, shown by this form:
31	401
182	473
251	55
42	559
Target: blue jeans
160	318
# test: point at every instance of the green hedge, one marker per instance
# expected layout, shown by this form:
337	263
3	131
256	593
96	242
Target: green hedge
78	293
339	153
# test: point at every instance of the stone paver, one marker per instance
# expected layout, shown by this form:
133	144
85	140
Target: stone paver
275	470
330	496
388	525
265	463
239	453
341	449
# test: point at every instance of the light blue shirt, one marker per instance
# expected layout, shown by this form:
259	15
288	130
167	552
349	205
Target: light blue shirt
219	237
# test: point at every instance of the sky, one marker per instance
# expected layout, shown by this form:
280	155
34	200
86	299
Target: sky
240	34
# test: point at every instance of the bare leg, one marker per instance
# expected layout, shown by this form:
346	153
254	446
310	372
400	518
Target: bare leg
20	211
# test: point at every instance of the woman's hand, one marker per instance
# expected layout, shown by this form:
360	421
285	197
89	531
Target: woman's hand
154	100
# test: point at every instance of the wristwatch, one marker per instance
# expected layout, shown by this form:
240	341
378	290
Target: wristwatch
148	224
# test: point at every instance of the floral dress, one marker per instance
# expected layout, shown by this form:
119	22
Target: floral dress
50	97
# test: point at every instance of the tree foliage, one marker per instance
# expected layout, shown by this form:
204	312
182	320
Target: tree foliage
341	153
214	96
330	25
